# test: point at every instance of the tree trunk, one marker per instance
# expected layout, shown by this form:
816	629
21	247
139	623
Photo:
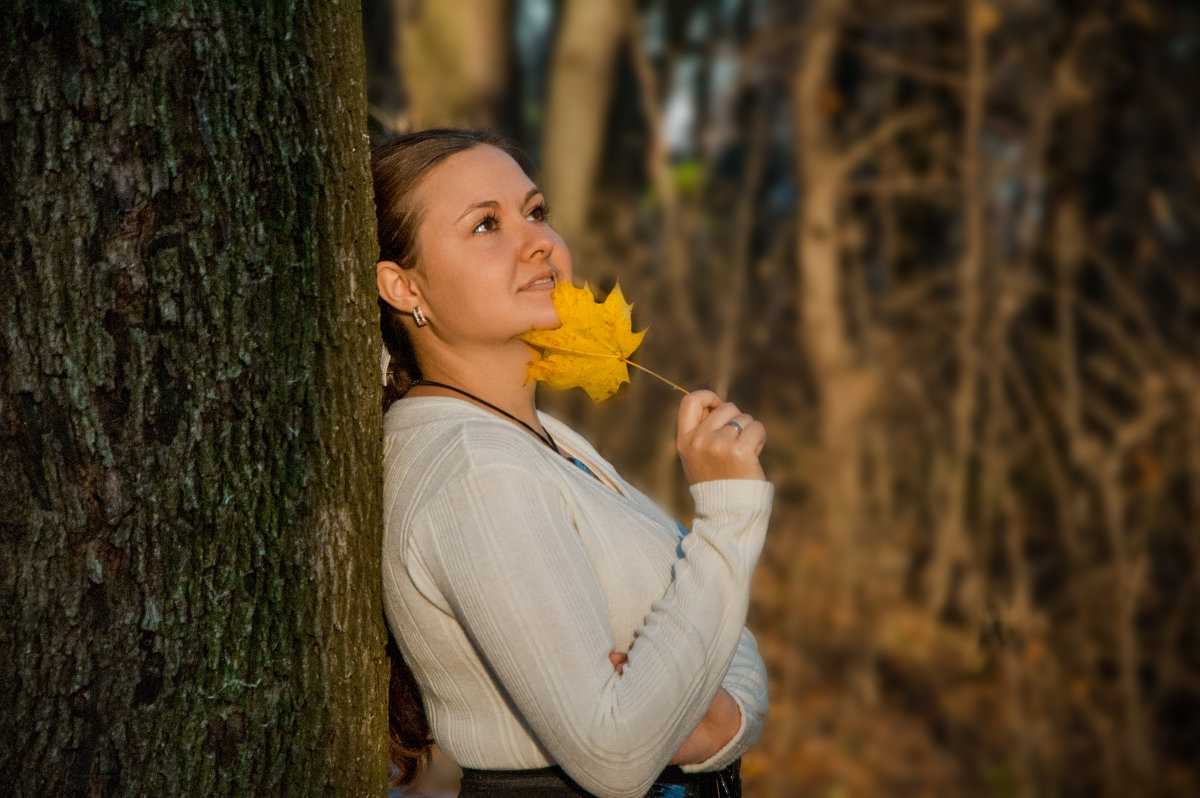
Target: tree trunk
456	62
844	389
952	544
189	437
581	83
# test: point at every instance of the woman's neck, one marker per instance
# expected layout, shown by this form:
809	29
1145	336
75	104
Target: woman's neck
497	376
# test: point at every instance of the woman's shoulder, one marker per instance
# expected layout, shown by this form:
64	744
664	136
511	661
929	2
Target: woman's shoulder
432	444
447	435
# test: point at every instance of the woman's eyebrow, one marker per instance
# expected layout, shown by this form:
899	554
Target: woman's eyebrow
533	192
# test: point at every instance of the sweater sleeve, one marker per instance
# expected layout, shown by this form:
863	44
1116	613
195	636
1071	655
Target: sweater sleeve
746	681
500	546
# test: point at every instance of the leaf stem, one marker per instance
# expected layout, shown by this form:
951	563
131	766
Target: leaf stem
656	374
565	351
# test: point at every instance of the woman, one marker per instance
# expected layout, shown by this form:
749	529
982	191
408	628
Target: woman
564	631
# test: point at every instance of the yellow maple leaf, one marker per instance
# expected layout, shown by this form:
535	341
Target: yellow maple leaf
591	348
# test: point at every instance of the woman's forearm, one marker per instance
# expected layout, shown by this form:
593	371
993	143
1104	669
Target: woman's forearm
718	726
716	729
746	682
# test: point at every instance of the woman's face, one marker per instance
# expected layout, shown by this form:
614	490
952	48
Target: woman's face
487	259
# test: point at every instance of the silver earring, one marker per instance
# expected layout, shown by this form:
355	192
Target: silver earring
419	316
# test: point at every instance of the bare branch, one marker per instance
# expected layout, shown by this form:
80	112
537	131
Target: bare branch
882	135
908	68
1132	304
905	186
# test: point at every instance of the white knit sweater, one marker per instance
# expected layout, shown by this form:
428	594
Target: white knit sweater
509	574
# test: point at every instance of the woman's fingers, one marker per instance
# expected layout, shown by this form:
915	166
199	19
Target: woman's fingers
694	407
717	440
618	661
720	416
739	423
752	438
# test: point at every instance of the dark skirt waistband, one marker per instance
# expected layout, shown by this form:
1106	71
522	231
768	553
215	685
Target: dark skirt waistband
552	782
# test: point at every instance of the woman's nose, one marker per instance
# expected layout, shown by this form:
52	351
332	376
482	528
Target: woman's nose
539	241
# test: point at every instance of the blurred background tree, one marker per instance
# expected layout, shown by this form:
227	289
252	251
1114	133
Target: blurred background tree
946	250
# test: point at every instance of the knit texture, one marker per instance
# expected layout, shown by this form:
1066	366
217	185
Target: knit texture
509	574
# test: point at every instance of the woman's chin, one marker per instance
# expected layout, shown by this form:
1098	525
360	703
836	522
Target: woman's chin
546	321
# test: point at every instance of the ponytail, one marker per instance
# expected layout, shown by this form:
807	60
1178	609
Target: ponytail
408	728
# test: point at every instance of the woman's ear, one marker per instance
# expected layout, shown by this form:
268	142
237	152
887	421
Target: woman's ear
396	286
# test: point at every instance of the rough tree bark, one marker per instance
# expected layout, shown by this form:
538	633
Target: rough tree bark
189	438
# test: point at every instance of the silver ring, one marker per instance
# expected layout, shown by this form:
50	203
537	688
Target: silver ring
735	425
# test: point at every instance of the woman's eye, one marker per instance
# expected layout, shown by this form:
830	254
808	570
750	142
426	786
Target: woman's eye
487	224
539	214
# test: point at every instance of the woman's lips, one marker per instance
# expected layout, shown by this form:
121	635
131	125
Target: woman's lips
543	282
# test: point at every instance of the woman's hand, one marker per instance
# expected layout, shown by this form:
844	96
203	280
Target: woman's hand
712	448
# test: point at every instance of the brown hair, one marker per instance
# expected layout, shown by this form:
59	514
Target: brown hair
409	739
398	165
